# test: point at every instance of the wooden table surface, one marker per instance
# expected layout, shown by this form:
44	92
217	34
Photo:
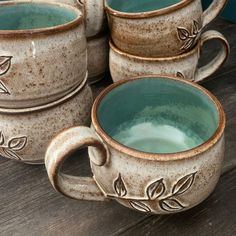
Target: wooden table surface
30	206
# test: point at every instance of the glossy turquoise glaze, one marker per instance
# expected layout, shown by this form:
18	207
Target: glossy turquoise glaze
158	115
33	16
132	6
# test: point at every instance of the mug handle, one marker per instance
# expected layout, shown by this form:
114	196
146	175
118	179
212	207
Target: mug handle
207	70
94	16
59	150
212	11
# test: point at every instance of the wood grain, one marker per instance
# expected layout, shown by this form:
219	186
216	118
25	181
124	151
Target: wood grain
30	206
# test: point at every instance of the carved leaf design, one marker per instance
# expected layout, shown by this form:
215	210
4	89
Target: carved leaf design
171	205
183	33
10	154
5	63
140	206
2	139
155	189
3	88
189	38
188	44
119	187
183	184
18	143
195	27
180	75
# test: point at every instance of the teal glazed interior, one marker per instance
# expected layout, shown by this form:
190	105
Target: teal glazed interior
158	115
135	6
28	16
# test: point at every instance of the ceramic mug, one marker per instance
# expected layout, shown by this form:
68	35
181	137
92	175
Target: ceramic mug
156	145
124	65
98	57
43	52
25	133
158	28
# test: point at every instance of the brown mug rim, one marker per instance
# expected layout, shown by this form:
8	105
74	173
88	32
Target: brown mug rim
46	30
138	15
154	156
168	58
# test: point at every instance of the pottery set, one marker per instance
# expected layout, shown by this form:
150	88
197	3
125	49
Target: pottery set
156	142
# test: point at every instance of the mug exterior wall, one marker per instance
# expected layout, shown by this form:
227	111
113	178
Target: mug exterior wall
25	136
168	34
159	187
98	57
124	66
95	17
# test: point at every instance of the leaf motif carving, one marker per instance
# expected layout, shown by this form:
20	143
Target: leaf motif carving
10	154
171	205
2	139
140	206
195	27
180	75
3	88
189	38
18	143
183	33
155	189
119	187
183	184
5	63
188	43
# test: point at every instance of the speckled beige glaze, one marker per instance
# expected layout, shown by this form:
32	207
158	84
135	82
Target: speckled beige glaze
25	133
152	183
95	16
165	32
98	57
43	65
123	65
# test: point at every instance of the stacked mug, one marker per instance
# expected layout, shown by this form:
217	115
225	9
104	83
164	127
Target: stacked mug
43	76
96	32
162	37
